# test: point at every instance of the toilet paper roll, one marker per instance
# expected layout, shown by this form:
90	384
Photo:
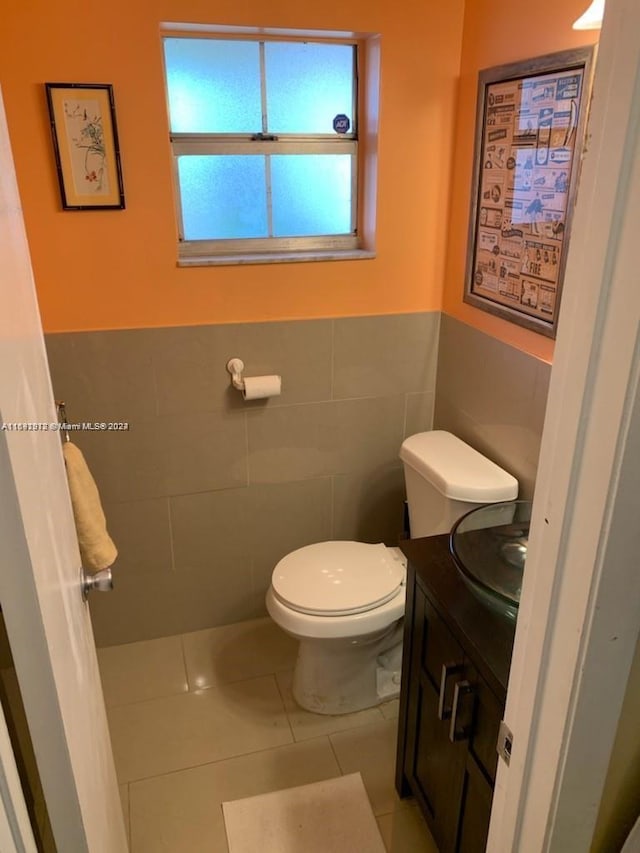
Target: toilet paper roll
259	387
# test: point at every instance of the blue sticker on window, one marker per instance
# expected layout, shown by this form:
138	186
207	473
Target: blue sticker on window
341	123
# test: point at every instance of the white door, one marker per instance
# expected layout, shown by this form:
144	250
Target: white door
47	622
579	618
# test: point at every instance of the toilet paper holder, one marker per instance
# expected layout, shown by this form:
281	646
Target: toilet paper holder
254	387
235	366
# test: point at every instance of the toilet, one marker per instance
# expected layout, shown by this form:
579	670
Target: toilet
344	601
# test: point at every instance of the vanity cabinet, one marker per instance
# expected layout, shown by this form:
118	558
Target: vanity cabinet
454	678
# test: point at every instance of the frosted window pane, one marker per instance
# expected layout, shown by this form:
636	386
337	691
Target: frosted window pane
311	194
214	86
223	196
307	86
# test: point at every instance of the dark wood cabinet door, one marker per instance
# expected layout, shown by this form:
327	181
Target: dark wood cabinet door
475	811
438	769
485	729
437	763
449	720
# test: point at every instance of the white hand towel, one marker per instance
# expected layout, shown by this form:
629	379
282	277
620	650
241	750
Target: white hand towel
97	550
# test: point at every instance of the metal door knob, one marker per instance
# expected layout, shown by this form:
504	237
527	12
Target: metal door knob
101	581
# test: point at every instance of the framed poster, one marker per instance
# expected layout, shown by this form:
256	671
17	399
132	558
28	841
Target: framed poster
85	142
529	133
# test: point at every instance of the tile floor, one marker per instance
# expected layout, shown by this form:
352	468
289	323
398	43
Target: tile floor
200	718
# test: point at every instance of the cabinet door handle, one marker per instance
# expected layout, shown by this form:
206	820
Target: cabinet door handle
461	689
448	669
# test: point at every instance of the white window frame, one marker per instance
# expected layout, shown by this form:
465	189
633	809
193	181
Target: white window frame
263	249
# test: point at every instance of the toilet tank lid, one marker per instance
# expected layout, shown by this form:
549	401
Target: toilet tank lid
456	470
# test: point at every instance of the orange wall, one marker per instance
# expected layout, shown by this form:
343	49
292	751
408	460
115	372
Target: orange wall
497	32
117	269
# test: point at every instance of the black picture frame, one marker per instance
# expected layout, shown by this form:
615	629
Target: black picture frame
86	147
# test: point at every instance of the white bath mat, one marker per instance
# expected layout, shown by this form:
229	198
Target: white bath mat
334	815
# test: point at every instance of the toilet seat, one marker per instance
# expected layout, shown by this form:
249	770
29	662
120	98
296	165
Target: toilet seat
338	578
336	627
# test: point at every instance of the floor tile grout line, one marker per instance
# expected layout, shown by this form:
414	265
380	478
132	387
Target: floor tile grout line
191	692
336	717
142	779
115	706
293	742
270	668
335	755
128	813
284	707
184	663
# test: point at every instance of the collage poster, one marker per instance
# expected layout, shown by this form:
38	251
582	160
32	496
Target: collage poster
527	156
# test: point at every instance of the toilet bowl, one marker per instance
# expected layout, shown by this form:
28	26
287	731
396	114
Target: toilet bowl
344	602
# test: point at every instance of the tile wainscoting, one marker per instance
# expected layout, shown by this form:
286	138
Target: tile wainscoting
492	396
205	492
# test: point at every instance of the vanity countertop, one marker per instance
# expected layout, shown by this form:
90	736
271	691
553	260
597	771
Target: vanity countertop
486	637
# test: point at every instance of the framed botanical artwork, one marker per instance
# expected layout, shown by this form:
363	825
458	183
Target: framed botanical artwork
530	126
85	141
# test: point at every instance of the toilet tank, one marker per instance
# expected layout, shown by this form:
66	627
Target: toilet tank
446	478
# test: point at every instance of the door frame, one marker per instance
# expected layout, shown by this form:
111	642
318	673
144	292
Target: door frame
16	835
579	617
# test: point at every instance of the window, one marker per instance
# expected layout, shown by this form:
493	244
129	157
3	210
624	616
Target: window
264	139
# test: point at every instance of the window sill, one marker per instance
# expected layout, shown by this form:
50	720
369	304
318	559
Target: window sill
277	258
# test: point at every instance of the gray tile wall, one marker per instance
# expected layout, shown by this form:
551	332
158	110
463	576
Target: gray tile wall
205	492
493	397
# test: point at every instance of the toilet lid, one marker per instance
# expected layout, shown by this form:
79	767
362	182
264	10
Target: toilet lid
338	578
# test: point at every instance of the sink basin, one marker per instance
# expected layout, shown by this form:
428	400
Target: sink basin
489	547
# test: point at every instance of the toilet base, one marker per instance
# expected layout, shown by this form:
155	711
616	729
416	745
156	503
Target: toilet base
345	675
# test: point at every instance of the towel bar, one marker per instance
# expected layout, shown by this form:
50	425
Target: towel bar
62	418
